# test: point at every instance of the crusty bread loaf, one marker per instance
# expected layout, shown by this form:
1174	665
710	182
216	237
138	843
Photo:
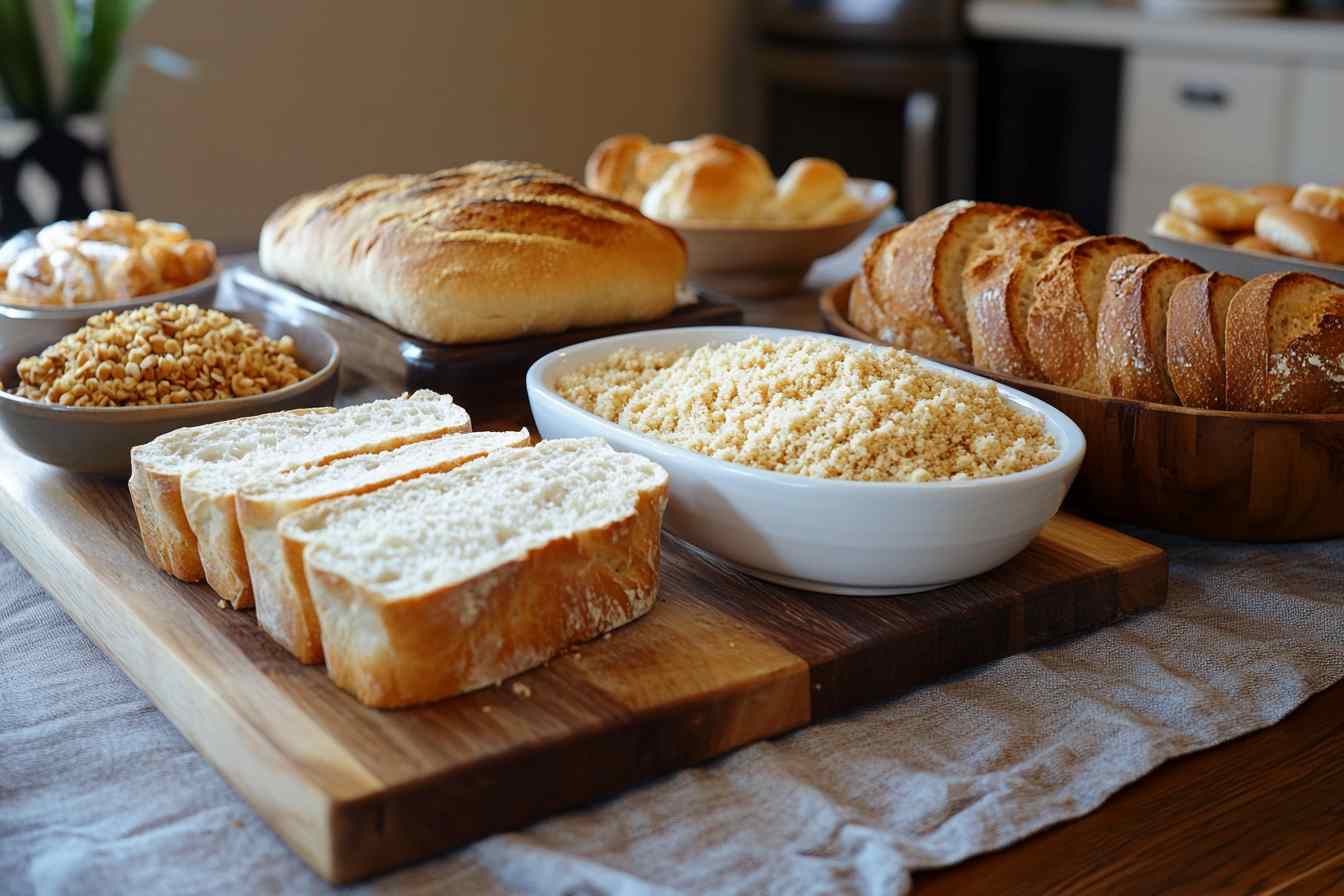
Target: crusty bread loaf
612	168
1132	326
1285	345
280	590
1303	234
1253	243
1328	202
453	581
1176	227
1273	194
914	275
1196	327
999	285
1062	322
183	483
492	250
1217	208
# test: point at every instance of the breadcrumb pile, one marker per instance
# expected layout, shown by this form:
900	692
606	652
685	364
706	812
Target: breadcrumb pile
815	407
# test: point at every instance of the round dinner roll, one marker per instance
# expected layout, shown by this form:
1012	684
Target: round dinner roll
807	190
611	168
1217	208
1328	202
1273	194
709	185
747	155
62	277
652	162
1253	243
124	271
1175	227
1299	233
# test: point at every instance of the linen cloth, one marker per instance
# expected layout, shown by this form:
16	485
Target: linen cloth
100	794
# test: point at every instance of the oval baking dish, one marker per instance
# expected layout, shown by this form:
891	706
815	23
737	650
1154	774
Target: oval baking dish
827	535
1214	474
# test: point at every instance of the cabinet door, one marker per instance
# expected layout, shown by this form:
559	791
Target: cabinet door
1317	151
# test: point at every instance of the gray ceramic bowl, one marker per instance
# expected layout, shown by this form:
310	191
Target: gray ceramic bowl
99	440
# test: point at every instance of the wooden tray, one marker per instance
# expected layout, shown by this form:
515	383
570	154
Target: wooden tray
721	661
1215	474
372	345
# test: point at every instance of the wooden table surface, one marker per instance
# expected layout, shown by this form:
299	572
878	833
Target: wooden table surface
1263	814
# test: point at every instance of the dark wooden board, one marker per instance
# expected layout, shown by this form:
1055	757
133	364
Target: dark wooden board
723	660
374	346
1213	474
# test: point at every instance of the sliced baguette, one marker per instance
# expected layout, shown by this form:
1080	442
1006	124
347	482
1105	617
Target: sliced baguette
1285	345
452	581
280	590
1196	328
999	285
913	273
1062	322
1132	326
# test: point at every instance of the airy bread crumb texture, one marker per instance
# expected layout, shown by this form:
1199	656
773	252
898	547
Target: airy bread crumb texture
815	407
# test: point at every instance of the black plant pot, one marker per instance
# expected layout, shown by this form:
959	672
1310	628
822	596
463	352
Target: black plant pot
63	158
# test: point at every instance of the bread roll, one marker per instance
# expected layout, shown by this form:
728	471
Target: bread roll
1175	227
1328	202
651	164
610	170
808	190
1196	328
1132	326
1062	322
999	283
1302	234
60	277
1285	345
61	235
125	272
710	185
1273	194
914	275
1217	208
492	250
1253	243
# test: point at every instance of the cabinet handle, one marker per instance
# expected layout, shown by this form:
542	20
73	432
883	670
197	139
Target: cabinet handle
1208	96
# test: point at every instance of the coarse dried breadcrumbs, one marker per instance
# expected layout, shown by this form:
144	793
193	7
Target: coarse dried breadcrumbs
815	407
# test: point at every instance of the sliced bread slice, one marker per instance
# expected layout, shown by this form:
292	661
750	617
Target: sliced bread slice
452	581
1196	328
1285	345
186	479
1062	322
1132	326
280	591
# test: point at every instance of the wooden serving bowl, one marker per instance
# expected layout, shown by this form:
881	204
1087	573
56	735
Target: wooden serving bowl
1214	474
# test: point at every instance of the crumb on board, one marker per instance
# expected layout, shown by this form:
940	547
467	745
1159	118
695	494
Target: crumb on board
521	690
221	603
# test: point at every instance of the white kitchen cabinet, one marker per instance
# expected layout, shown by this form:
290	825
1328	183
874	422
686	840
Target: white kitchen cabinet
1316	146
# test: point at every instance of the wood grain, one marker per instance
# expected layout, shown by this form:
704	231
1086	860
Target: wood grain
1214	474
723	660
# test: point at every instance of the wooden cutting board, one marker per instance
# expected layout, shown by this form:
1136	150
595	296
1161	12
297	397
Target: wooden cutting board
723	660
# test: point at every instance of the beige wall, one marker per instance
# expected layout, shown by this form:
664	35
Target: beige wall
296	94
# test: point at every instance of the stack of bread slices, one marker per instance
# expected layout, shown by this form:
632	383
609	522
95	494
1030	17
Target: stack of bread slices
1028	294
417	558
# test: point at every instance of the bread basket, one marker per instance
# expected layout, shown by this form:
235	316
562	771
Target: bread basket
1214	474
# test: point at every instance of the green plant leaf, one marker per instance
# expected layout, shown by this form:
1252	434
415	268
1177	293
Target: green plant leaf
21	71
98	27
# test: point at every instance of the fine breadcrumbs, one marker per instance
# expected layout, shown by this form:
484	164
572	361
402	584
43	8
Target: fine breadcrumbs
815	407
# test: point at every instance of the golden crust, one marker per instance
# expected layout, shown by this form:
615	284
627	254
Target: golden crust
492	250
1196	323
1132	326
1303	234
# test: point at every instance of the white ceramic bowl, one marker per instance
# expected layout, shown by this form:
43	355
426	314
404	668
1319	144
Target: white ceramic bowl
826	535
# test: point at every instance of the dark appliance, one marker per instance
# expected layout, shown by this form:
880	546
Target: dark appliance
884	87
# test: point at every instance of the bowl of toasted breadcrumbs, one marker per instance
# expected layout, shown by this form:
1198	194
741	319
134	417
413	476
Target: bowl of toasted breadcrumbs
819	461
81	394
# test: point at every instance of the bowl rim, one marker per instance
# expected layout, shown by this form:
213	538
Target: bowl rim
9	309
886	198
1063	428
829	310
196	408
